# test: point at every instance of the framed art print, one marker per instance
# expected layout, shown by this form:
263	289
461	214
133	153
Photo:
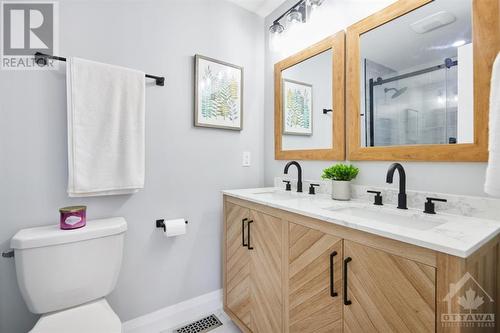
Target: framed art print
218	94
297	108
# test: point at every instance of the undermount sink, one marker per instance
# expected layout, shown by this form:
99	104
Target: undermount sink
274	195
405	219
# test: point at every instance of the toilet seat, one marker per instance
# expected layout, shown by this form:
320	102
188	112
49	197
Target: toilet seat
95	317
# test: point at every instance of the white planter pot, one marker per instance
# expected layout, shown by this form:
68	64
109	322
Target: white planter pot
341	190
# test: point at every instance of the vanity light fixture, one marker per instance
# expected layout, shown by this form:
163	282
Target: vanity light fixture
276	28
314	3
295	14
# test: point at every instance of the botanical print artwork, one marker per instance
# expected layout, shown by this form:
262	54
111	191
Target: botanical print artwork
297	108
218	94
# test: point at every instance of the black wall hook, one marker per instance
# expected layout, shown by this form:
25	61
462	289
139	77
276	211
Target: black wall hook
161	224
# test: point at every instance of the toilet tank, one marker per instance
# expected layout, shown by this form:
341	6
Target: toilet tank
57	269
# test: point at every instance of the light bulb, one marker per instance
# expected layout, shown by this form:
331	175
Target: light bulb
276	42
294	16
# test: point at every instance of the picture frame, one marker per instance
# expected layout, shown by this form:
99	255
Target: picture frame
218	94
297	108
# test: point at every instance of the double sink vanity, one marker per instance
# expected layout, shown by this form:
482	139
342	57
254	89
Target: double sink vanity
409	83
296	262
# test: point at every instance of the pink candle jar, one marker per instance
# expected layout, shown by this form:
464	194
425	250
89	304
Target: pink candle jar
72	217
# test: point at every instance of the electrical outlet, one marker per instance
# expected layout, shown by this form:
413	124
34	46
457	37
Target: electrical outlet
246	159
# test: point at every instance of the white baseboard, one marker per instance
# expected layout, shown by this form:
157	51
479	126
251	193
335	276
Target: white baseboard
175	315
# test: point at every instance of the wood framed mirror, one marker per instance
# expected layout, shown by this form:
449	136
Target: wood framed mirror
418	81
309	102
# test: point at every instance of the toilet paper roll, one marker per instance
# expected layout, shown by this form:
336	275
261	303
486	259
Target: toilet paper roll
175	227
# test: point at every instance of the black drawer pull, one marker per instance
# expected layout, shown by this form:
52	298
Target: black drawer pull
346	261
333	293
250	247
243	232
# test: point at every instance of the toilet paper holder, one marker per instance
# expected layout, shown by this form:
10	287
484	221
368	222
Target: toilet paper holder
161	224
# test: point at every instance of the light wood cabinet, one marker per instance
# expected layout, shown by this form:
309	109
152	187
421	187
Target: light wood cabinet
314	280
253	257
387	293
287	273
265	273
237	264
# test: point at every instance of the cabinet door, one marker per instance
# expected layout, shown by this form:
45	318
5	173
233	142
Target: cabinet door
265	241
388	293
237	263
315	281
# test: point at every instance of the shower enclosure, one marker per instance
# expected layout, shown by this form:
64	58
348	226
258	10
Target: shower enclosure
417	106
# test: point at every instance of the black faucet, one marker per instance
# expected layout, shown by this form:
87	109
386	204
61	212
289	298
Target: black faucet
402	183
299	176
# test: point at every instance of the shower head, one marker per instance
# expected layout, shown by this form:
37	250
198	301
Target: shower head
397	92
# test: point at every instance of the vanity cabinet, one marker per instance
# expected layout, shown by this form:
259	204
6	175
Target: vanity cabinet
237	264
253	256
387	293
314	280
288	273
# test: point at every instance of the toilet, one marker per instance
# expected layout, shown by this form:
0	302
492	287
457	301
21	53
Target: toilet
65	275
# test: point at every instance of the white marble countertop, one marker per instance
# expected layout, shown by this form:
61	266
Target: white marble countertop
452	234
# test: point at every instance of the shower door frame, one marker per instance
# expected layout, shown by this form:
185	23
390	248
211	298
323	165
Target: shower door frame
486	45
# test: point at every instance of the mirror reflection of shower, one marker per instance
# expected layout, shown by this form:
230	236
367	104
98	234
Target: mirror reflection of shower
414	107
417	78
397	92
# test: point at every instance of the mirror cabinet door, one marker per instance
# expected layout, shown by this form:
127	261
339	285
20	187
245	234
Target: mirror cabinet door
309	103
418	81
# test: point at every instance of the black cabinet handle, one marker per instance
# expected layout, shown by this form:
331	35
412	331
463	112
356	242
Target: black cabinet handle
333	293
248	244
243	232
346	261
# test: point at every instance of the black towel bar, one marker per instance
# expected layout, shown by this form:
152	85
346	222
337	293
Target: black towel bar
41	60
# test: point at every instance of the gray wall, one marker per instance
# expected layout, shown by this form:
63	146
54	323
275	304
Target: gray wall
335	15
186	167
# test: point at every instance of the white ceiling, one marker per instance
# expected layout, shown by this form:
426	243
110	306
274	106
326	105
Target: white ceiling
260	7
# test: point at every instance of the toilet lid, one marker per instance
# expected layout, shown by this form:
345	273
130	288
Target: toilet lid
95	317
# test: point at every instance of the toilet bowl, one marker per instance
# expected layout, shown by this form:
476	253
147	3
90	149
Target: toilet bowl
95	317
65	275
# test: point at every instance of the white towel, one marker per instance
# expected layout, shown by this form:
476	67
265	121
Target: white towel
492	185
105	128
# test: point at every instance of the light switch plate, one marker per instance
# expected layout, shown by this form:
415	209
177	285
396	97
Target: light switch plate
246	159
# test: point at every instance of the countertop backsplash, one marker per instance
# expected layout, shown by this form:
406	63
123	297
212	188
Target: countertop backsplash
480	207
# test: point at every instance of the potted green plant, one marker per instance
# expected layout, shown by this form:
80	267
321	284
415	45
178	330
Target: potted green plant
341	176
